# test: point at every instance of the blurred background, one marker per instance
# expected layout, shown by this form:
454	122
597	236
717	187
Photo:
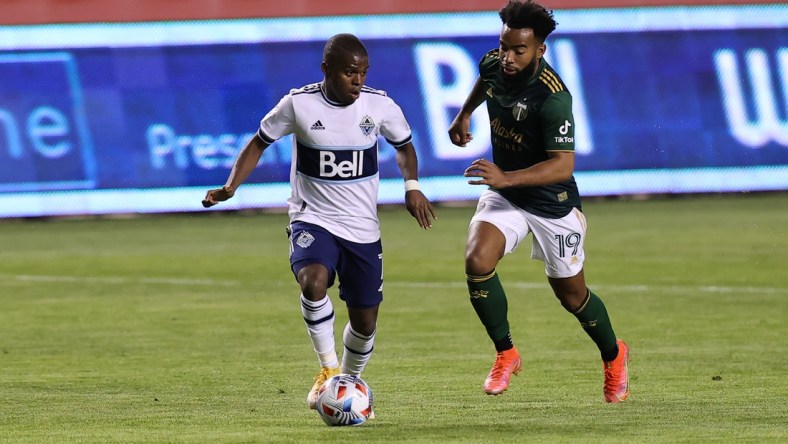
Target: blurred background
141	106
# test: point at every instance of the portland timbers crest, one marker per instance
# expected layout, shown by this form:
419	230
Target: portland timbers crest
367	125
520	110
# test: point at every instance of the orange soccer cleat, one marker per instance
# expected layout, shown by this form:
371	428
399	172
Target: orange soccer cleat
507	362
617	375
321	377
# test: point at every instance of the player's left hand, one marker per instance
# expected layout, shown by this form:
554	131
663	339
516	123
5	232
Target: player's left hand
489	173
420	208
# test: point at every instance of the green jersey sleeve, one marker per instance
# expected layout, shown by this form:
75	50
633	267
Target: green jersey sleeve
558	123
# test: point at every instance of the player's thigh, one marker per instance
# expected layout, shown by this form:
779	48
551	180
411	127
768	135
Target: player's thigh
559	243
507	218
484	249
312	245
360	271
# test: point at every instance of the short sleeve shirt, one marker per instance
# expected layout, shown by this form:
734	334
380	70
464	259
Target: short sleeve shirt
334	173
529	120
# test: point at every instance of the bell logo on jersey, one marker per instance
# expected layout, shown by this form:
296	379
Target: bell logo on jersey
337	164
329	167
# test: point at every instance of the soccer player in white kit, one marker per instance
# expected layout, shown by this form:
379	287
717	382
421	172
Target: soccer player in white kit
334	229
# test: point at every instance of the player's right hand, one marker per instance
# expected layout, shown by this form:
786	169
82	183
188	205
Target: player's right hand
213	197
459	131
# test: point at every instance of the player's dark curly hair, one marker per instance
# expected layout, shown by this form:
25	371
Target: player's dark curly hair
528	14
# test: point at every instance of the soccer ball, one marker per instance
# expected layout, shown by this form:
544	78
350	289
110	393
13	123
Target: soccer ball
344	400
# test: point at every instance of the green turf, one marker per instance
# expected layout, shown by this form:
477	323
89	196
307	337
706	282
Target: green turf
187	329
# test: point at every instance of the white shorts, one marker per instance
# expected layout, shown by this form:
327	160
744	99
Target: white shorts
557	242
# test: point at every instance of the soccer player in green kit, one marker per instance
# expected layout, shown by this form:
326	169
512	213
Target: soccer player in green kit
531	190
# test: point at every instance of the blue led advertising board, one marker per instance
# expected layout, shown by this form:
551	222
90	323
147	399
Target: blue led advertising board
144	117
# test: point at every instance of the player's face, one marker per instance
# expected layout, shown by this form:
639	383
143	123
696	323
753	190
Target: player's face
345	76
520	51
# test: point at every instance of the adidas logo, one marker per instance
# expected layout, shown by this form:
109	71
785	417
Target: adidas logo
317	126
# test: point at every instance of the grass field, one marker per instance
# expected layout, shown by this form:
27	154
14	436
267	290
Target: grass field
187	328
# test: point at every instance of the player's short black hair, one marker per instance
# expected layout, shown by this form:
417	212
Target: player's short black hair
342	44
528	14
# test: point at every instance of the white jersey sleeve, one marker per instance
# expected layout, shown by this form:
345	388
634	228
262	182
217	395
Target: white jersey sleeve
394	128
279	122
334	175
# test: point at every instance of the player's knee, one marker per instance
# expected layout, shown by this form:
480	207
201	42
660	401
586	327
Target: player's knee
314	292
477	264
313	281
572	300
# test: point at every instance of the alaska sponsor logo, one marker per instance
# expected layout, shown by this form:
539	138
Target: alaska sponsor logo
507	133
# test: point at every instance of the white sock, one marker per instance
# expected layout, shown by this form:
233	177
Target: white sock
319	319
358	349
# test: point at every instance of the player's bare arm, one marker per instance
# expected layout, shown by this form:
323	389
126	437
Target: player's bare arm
243	167
459	130
558	167
417	204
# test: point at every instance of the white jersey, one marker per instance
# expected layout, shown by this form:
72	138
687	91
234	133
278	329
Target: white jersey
334	172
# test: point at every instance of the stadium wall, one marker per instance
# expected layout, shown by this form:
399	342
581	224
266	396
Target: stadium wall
17	12
100	118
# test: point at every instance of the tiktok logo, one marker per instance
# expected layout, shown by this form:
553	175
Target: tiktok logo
765	125
564	129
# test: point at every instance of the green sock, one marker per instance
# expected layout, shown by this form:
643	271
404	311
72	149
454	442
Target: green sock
596	323
489	301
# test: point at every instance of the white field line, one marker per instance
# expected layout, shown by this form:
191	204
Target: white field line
9	278
116	280
616	288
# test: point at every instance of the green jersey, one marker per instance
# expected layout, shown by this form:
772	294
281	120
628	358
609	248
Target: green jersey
528	120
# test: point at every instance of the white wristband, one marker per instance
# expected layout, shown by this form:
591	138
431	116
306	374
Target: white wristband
411	184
